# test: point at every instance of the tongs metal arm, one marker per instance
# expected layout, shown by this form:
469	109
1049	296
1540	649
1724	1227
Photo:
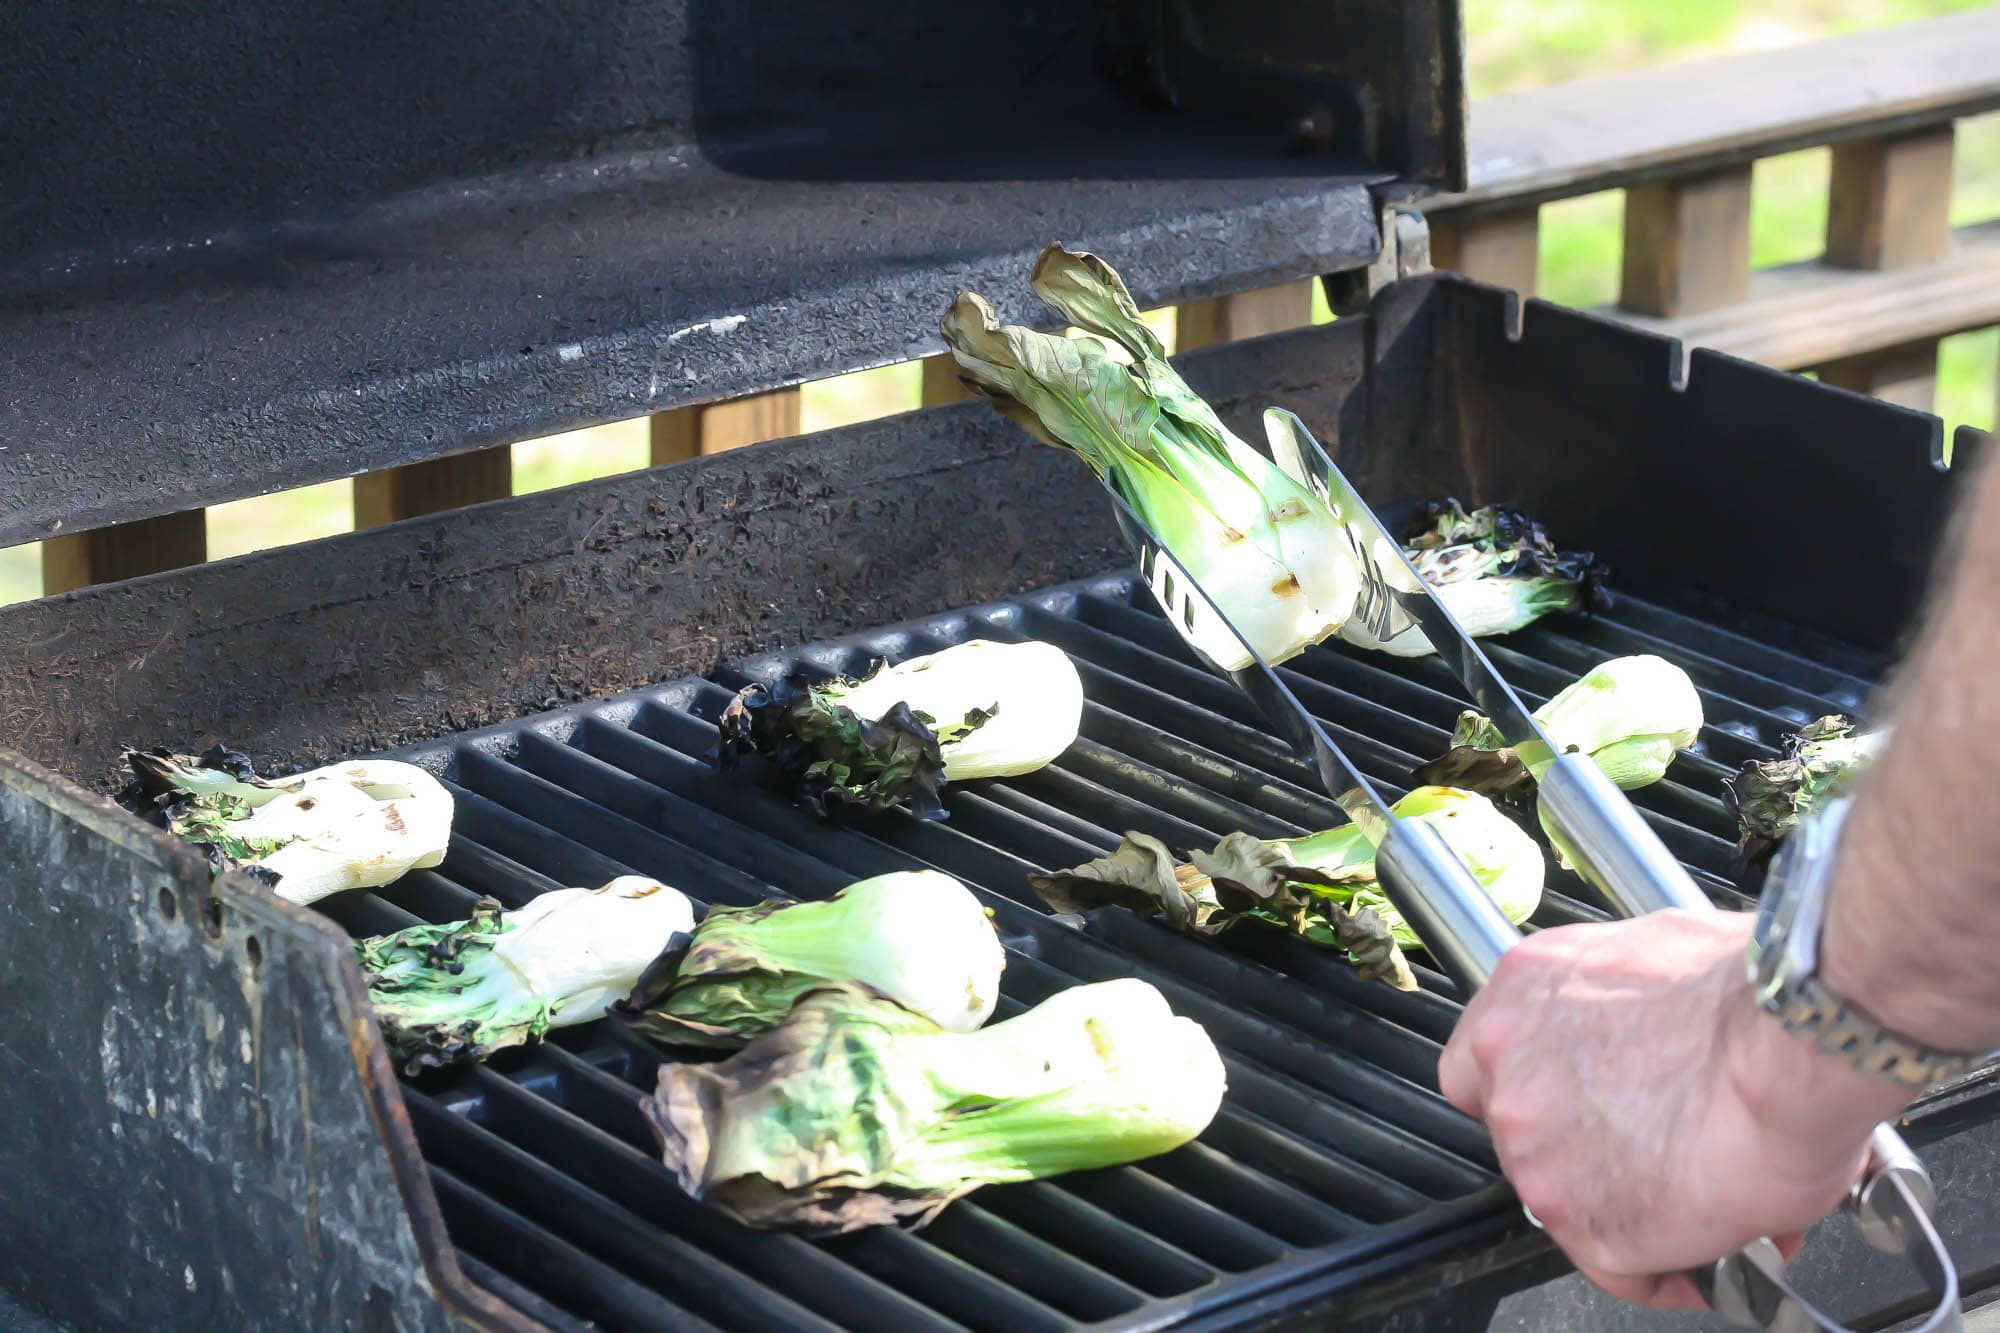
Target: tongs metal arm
1467	933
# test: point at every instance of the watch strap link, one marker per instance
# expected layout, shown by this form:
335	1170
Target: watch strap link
1851	1034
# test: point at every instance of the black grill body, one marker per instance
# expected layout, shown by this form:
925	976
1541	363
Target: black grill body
315	241
1336	1186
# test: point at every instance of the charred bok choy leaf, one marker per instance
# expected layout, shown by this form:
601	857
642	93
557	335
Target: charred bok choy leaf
1631	715
917	937
1497	571
978	709
360	824
464	989
1322	887
1770	796
1263	545
855	1112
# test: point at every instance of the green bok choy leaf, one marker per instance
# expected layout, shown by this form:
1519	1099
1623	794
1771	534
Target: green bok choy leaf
855	1112
1770	796
918	937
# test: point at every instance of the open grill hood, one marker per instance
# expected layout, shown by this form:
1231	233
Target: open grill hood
293	1171
305	243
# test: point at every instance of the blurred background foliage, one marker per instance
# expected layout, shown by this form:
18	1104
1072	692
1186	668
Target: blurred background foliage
1514	45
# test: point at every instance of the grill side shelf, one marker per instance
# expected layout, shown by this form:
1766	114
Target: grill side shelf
200	1128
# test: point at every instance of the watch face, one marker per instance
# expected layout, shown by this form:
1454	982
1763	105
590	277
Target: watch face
1785	946
1775	909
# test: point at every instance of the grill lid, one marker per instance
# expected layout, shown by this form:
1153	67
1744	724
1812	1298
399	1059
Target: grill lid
302	245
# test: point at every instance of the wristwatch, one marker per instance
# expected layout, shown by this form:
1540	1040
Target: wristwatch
1784	965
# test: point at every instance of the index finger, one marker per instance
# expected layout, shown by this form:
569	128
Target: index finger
1461	1077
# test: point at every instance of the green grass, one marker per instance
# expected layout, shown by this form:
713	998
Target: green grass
1514	44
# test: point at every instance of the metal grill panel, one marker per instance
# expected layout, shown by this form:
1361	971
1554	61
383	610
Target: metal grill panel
1333	1146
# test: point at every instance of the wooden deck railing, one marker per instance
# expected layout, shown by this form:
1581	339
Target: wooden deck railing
1680	140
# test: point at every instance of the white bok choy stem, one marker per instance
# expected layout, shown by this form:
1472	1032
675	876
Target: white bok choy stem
917	937
464	989
975	710
358	824
1264	546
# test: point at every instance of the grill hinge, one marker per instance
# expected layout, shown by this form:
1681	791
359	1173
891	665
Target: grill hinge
1406	250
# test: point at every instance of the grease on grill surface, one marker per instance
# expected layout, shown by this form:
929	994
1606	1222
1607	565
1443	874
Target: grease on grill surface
1332	1144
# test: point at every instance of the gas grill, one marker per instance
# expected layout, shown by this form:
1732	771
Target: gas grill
200	1123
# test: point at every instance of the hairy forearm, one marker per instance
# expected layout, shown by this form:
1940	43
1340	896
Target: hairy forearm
1914	922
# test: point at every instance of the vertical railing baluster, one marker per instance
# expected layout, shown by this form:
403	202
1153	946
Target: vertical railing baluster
1501	248
1889	206
124	550
1687	244
1220	319
433	486
713	428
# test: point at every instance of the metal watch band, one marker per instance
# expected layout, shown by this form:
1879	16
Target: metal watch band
1849	1033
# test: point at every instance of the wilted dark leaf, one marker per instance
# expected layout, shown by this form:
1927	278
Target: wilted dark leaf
826	753
1141	875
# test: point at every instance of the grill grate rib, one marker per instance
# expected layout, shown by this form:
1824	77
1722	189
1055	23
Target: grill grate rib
1333	1146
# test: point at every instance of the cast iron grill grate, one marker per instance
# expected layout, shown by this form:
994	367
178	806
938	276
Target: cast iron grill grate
1333	1146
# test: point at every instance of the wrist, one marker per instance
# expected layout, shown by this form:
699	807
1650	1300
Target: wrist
1888	945
1790	1083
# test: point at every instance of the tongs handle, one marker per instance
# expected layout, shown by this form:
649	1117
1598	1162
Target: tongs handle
1604	836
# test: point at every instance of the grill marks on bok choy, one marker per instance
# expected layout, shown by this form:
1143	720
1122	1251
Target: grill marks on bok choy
1262	544
1497	571
360	824
976	710
856	1112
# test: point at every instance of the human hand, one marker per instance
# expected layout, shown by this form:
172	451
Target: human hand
1649	1115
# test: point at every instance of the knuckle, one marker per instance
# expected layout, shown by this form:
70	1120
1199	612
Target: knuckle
1495	1034
1512	1116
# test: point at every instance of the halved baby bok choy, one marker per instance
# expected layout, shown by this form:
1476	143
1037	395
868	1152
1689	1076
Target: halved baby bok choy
359	824
918	937
1263	545
855	1112
1770	796
979	709
1497	571
465	989
1322	887
1631	715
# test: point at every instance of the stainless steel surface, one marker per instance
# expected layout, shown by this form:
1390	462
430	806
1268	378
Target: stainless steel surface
1394	596
1461	926
1893	1164
1610	844
1459	922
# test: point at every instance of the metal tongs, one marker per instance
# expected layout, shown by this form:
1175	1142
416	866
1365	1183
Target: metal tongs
1596	827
